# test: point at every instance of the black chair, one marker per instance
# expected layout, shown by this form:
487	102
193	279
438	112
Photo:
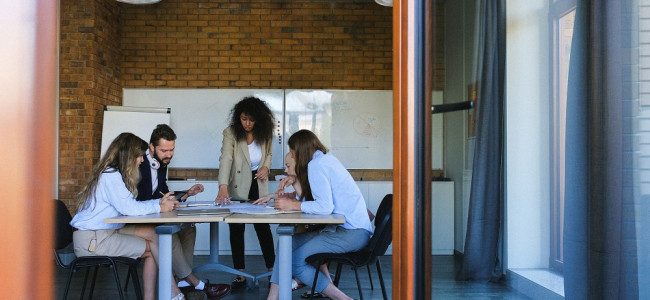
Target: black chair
65	257
367	255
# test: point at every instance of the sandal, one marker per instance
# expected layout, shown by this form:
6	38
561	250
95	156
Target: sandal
238	282
295	285
316	295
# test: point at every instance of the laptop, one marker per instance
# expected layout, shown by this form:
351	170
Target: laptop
202	212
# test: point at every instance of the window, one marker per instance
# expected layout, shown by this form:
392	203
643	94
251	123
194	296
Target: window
562	14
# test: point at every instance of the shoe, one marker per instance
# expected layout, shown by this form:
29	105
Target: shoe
238	282
295	285
316	295
216	290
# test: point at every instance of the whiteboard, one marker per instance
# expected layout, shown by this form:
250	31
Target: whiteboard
140	123
199	117
355	125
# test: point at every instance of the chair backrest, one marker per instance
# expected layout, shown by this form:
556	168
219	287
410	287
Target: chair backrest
383	235
62	229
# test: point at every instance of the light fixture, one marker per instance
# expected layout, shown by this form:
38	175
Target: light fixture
139	2
385	2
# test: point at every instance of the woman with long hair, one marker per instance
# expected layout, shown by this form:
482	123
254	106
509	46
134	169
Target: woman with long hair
244	168
111	191
331	189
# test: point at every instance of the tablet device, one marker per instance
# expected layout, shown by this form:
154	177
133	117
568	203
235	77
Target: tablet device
179	194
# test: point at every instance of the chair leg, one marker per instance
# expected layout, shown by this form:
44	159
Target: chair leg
337	276
126	283
83	288
67	284
372	287
117	280
313	285
356	275
92	285
381	280
136	281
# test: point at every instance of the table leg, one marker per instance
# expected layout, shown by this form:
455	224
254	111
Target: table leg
285	233
165	259
213	261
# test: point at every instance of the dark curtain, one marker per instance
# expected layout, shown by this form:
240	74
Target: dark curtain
482	253
600	244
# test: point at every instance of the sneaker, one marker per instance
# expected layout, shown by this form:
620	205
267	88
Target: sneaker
316	295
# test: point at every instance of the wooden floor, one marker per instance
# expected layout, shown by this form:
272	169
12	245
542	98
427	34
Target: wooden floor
444	286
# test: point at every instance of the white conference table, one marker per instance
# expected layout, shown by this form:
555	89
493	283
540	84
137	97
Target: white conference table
170	223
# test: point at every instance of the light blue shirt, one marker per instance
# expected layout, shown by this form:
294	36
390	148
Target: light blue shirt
111	199
335	191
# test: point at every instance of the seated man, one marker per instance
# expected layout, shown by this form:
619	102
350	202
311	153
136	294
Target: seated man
153	185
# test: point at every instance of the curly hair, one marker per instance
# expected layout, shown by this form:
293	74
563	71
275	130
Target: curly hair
304	143
122	156
260	112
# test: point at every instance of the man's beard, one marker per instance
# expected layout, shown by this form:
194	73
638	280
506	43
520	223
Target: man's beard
162	163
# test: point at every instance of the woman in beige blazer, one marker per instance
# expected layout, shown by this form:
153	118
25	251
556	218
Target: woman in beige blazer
244	168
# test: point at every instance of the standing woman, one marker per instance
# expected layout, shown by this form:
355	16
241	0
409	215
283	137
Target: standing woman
243	173
331	187
111	192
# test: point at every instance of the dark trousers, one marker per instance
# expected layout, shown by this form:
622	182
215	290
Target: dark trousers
264	236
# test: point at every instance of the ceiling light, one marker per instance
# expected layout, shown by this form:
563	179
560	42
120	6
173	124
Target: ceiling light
385	2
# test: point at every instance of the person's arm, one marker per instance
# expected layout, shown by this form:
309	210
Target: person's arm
225	163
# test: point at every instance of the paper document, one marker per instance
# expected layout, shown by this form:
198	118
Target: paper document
255	209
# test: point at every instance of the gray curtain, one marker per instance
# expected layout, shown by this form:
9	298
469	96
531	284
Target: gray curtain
601	217
482	253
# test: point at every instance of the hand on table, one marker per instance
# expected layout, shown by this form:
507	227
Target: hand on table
168	202
285	204
265	200
223	197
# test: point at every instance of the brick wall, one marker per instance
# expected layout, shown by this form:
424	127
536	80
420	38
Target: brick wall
89	79
106	45
257	44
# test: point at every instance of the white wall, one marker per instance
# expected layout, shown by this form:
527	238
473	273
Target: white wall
527	140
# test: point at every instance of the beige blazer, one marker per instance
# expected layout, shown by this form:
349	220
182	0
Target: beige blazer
235	166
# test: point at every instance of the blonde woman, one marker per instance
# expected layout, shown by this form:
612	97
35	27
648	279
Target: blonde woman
111	192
